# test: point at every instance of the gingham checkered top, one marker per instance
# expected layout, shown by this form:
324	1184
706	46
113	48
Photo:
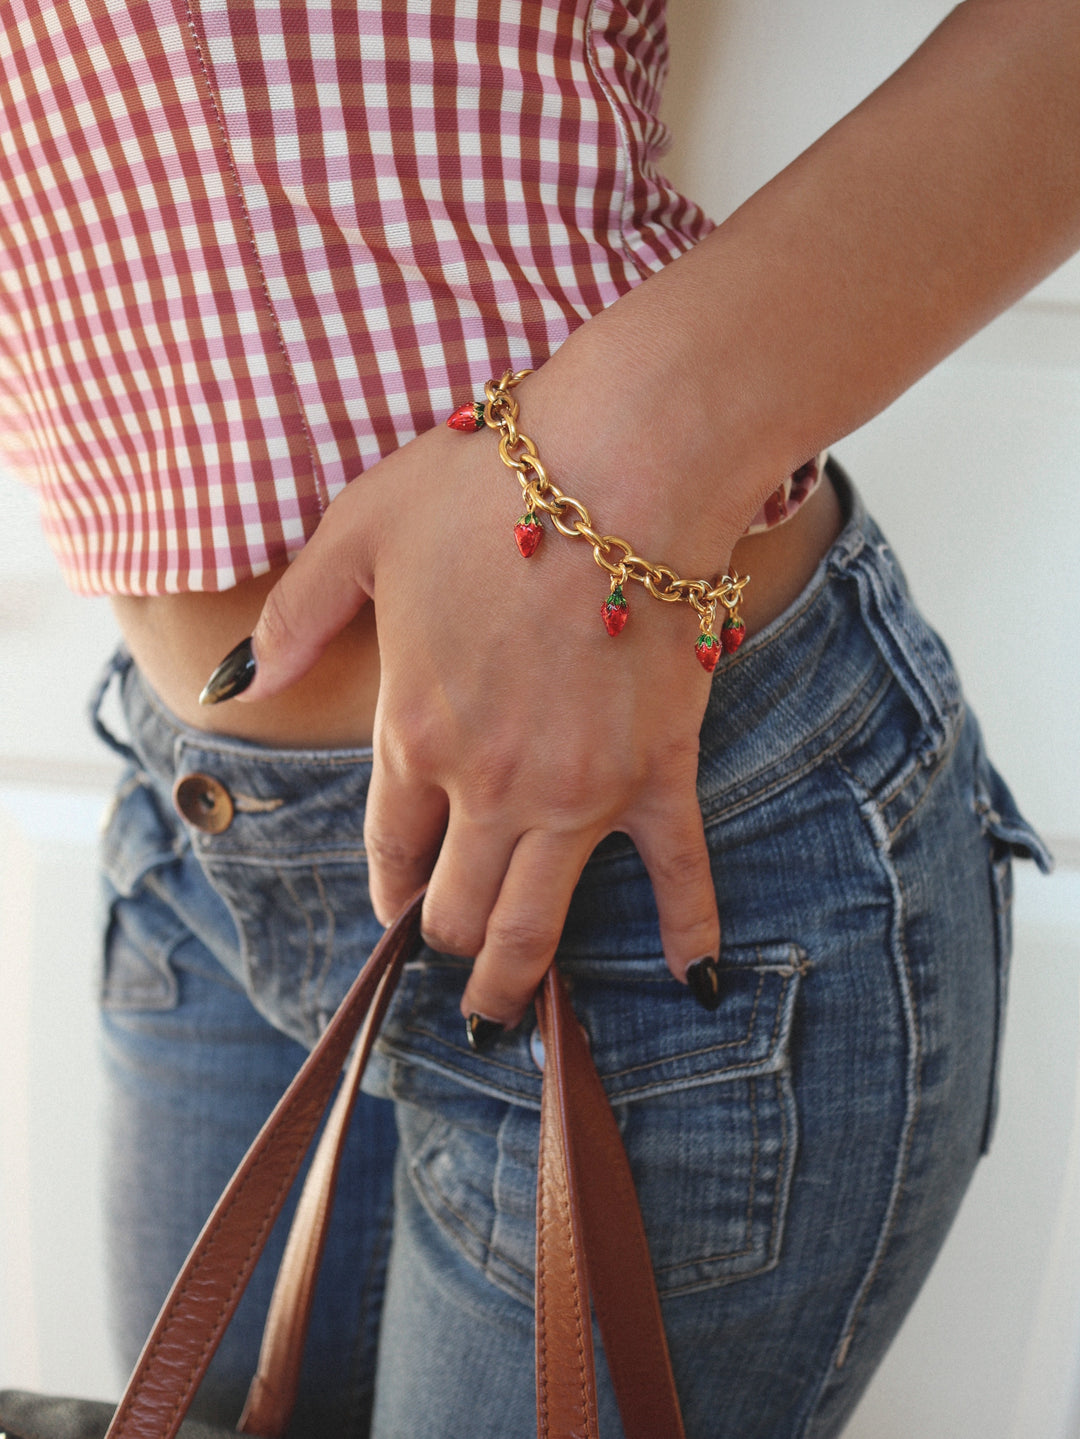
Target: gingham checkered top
250	246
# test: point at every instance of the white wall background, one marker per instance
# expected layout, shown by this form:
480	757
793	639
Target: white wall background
983	510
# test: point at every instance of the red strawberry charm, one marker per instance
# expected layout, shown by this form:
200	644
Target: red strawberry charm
528	532
467	418
708	650
614	610
732	633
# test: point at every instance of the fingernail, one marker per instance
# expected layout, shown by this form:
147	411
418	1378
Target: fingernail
232	676
703	977
482	1033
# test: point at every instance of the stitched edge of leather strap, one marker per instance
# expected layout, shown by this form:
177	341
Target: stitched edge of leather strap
612	1234
272	1395
565	1367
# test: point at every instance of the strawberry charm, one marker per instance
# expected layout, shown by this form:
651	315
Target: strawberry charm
468	418
708	650
614	610
732	633
528	532
733	630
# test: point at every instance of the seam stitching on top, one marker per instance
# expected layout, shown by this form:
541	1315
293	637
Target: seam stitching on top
913	1089
320	484
628	173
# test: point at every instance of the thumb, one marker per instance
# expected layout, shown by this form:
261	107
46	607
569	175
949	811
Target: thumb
315	598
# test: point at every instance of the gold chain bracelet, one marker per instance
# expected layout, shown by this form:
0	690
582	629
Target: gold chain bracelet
499	411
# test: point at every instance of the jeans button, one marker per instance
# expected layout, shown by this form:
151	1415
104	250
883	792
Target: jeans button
204	802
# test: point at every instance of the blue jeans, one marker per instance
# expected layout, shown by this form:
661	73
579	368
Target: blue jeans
799	1153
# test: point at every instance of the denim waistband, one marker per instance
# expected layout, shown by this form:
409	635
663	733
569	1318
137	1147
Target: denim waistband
799	687
792	692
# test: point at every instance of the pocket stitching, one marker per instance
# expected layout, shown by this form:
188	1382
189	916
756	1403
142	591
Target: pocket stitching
751	1187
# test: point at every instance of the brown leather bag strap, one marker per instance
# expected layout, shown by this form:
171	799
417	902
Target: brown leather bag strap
588	1189
586	1203
272	1396
207	1290
585	1195
565	1368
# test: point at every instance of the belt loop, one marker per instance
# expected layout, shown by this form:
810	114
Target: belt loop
116	668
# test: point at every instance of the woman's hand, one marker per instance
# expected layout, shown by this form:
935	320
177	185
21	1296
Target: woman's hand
512	732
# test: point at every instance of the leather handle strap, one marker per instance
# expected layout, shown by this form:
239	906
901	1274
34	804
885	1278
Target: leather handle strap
565	1367
272	1396
585	1195
207	1290
586	1204
584	1182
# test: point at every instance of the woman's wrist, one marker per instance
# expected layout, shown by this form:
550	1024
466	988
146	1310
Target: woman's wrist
620	429
547	506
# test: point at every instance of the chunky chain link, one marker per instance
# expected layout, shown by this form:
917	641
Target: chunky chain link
570	517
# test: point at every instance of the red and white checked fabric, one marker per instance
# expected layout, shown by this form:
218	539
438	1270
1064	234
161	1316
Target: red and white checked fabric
248	247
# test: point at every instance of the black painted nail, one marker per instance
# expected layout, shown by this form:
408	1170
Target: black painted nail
232	676
482	1033
703	977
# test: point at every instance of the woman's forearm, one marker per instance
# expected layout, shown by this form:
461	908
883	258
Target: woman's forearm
509	739
937	202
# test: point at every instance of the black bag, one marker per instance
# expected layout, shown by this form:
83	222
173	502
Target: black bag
35	1416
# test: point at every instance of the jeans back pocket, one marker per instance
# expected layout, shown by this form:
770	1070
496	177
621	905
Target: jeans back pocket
704	1102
